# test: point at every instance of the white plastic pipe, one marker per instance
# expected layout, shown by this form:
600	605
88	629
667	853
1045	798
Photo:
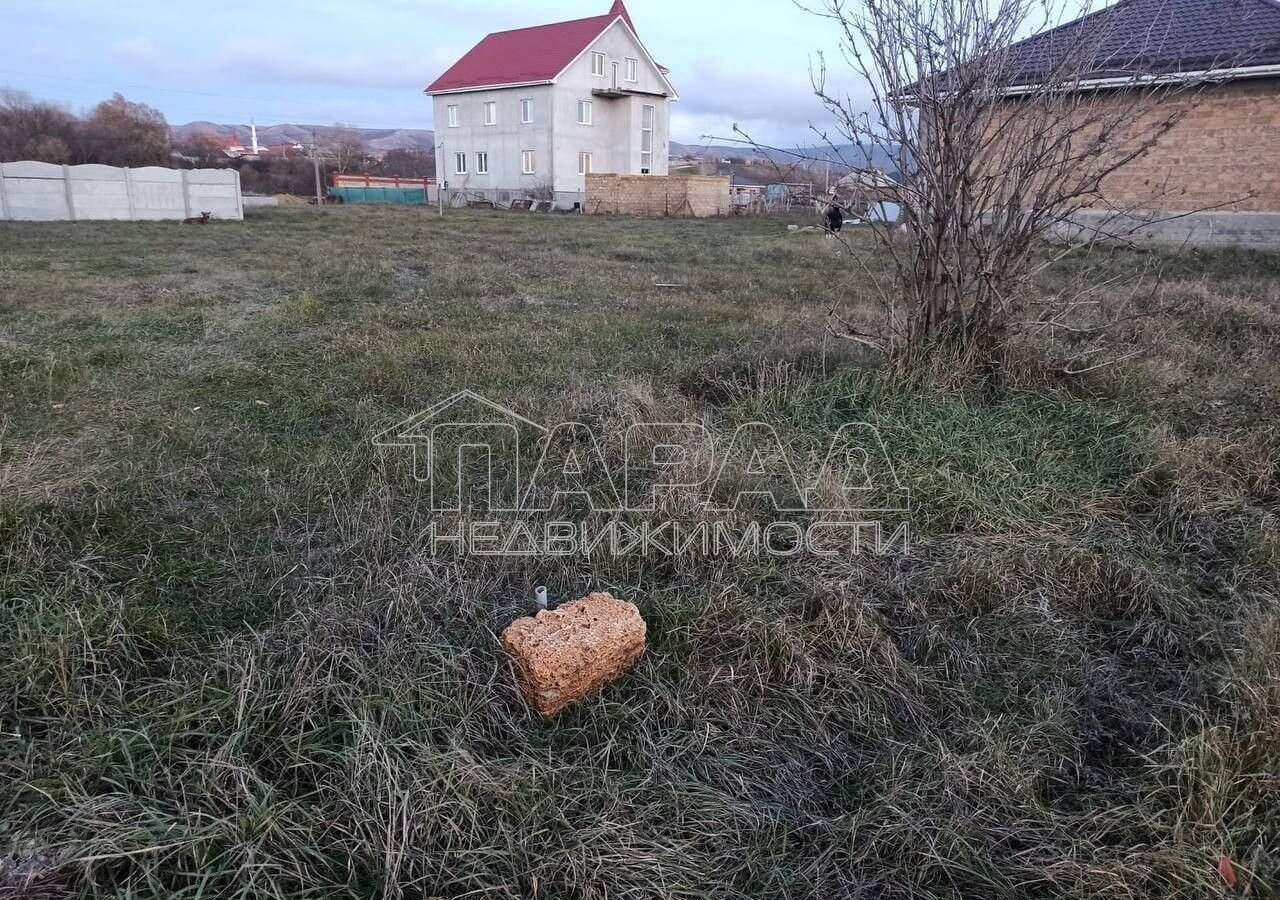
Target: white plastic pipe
540	595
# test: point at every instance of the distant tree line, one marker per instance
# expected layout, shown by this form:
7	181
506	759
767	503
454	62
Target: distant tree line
116	132
295	174
120	132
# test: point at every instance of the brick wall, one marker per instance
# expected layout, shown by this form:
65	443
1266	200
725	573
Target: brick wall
1226	145
657	195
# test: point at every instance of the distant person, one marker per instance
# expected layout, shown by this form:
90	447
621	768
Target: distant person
835	218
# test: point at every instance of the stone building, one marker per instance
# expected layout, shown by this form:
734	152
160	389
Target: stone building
1221	161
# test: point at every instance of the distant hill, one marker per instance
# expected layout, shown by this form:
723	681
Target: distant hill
381	140
852	155
376	140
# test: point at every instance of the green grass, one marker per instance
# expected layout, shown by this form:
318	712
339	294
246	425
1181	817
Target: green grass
230	665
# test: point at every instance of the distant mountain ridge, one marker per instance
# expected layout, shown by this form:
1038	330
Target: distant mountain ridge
382	140
376	140
852	155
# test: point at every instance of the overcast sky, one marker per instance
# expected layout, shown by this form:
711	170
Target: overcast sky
366	63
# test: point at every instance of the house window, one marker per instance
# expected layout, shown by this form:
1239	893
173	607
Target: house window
453	117
646	139
459	164
482	163
526	111
584	163
597	64
633	69
526	162
584	112
491	113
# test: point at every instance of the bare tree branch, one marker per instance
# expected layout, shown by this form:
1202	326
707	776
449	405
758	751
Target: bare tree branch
994	153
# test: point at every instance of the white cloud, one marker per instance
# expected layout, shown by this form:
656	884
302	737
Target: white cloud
748	91
283	63
772	104
138	52
758	76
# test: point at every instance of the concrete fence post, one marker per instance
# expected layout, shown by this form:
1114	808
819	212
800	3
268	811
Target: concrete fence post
186	196
67	191
4	196
128	193
239	197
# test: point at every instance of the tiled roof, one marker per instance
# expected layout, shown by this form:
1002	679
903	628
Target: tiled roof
526	54
1158	37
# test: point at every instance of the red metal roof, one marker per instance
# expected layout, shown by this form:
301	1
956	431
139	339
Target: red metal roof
526	54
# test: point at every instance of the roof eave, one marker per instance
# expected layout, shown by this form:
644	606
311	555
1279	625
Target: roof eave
1239	73
1201	75
487	87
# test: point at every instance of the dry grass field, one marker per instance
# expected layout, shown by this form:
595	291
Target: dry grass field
231	667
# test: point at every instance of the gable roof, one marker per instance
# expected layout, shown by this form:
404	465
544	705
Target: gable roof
527	55
1158	37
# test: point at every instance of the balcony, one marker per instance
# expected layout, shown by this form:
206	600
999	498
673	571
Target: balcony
617	93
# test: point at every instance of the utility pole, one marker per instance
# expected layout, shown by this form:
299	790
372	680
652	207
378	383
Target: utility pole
440	178
315	162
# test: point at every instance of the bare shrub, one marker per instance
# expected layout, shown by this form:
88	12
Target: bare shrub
120	132
201	151
34	129
343	145
998	143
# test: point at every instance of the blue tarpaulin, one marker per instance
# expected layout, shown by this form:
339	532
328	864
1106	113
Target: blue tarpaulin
404	196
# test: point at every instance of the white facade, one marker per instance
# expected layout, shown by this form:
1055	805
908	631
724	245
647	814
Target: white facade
626	132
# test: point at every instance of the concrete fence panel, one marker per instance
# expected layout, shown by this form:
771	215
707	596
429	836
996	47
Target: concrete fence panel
99	192
216	191
41	192
158	193
35	191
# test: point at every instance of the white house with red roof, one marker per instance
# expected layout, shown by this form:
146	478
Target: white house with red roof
536	109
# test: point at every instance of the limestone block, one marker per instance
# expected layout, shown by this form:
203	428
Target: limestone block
562	655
